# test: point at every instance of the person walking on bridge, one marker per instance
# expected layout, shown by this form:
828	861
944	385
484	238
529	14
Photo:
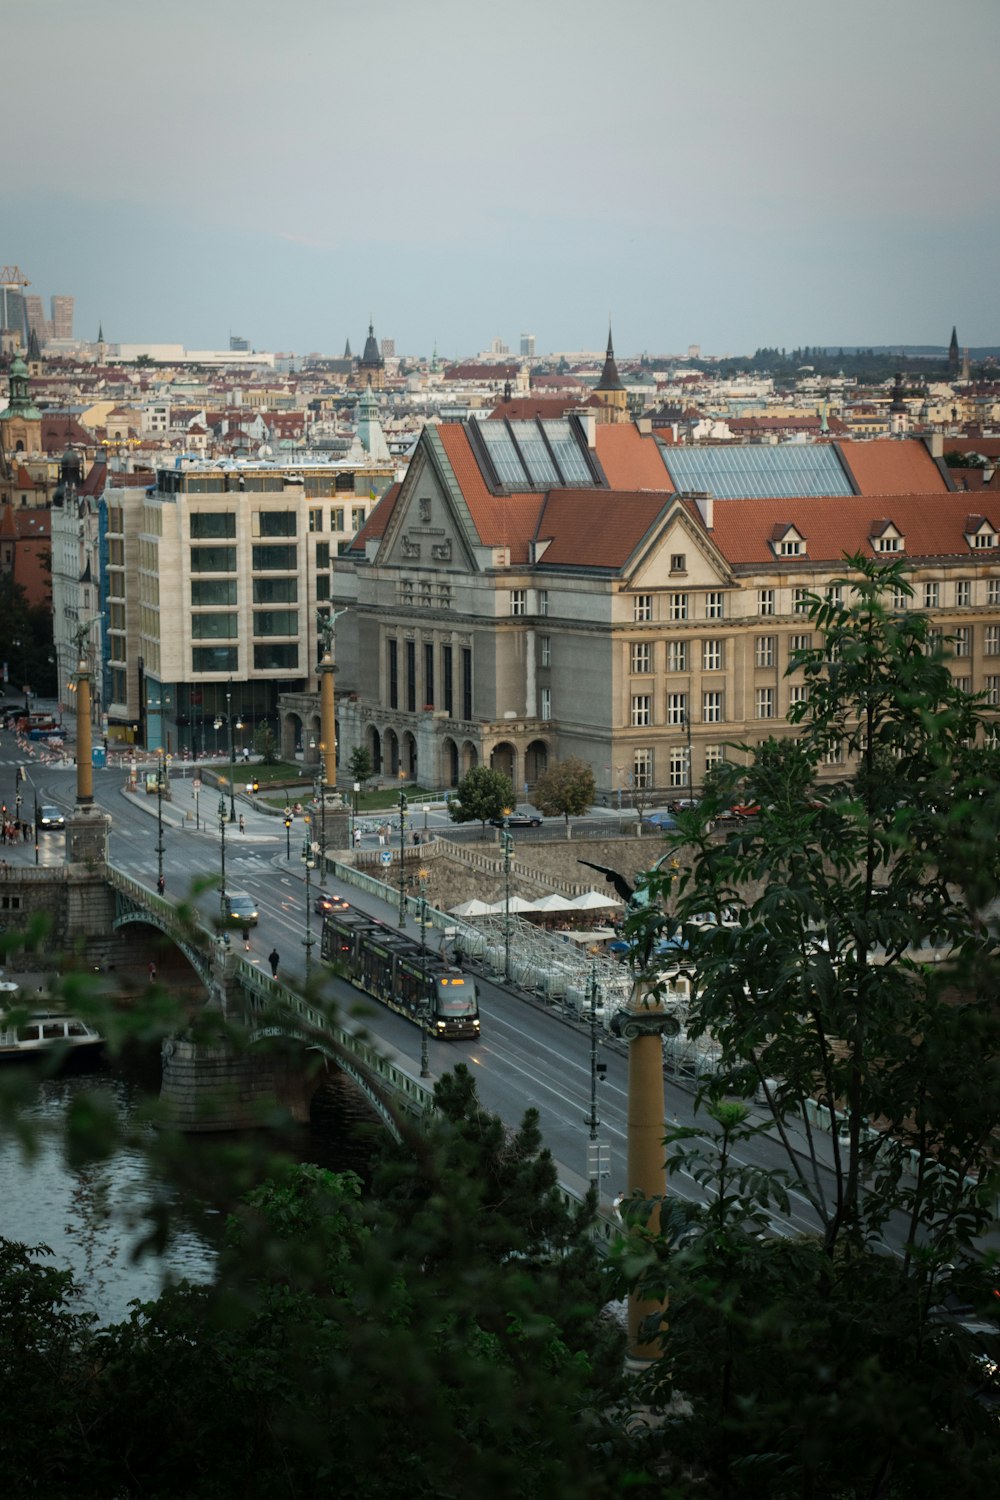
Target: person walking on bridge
273	959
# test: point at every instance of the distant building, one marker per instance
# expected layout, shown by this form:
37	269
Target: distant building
62	317
954	359
371	365
388	348
13	316
609	391
38	324
528	345
238	345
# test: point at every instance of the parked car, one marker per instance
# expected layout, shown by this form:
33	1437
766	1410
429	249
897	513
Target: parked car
325	903
240	909
518	820
50	817
660	818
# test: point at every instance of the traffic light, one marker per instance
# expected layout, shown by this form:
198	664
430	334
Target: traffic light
256	785
403	804
3	810
288	822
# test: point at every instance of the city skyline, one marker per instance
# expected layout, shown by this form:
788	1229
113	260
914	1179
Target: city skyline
770	176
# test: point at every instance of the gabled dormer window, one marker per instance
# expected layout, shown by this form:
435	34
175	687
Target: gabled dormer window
786	541
885	537
980	533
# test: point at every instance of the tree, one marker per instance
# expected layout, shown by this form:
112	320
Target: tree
566	789
360	764
481	794
265	745
879	1070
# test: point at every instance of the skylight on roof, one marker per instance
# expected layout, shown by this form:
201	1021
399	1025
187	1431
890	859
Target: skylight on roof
504	455
537	459
752	473
564	445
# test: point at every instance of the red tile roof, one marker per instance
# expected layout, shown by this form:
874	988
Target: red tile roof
595	529
631	459
500	520
894	467
932	525
378	519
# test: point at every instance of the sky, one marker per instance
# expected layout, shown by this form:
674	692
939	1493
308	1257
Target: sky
744	173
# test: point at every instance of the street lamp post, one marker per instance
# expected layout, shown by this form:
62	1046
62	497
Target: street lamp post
288	836
222	846
425	1068
402	861
597	1071
232	760
308	860
356	790
159	822
19	644
319	795
507	844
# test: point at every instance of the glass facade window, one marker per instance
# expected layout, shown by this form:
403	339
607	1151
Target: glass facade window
215	659
276	591
213	559
212	525
214	627
640	657
275	622
677	656
211	591
275	559
266	523
322	554
323	586
276	656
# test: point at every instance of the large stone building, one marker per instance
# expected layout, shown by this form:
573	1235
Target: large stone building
536	589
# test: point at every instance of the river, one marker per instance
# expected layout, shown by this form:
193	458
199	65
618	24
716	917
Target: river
94	1216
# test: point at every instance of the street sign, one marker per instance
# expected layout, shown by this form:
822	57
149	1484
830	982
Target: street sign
385	858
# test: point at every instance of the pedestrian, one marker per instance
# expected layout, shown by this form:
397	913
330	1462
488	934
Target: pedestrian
243	828
357	838
246	940
273	960
152	972
246	755
161	884
27	831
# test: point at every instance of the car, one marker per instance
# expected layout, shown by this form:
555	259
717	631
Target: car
50	817
325	903
240	909
660	818
517	820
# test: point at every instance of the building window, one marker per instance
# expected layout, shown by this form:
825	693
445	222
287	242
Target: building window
276	656
993	691
677	708
835	755
963	684
316	519
519	601
265	523
203	591
714	606
992	643
835	595
545	703
466	682
642	607
900	599
800	600
798	693
712	655
274	559
393	674
323	555
764	651
543	601
765	601
678	562
677	656
932	595
800	643
983	539
275	622
545	650
791	547
275	591
711	708
642	770
215	659
765	703
410	648
212	525
323	586
715	755
446	679
358	517
213	559
428	674
640	657
641	710
215	627
337	518
963	594
993	591
888	543
678	606
680	767
962	644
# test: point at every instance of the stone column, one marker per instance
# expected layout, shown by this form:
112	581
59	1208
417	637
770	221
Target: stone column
87	827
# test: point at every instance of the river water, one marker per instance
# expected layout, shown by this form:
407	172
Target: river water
93	1216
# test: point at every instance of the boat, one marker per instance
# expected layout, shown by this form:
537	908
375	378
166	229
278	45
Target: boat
42	1029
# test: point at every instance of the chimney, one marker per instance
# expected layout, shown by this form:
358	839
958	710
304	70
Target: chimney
705	502
937	445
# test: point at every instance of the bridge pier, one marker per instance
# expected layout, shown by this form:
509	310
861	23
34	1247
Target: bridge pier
210	1087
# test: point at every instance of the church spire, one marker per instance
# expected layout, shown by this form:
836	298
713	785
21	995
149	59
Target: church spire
953	354
610	379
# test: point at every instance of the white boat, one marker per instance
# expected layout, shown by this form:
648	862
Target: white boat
43	1029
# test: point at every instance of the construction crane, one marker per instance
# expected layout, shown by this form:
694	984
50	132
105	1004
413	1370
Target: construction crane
12	277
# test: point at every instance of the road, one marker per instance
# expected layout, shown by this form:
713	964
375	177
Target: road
529	1054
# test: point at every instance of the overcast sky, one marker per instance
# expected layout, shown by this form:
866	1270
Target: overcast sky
730	174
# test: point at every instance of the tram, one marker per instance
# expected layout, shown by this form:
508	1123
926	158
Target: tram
402	974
